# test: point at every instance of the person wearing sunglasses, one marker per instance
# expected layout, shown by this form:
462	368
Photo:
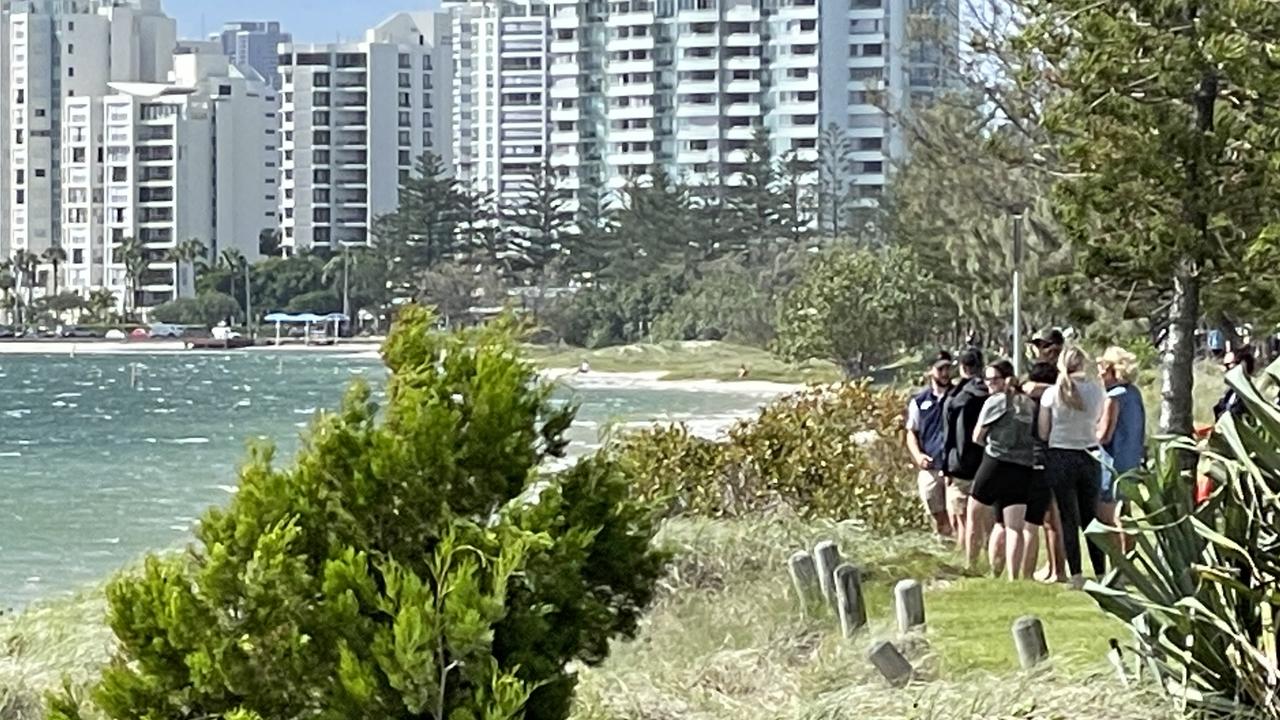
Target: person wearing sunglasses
1005	483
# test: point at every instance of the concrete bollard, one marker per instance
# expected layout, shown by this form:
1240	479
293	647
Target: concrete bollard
908	601
804	577
892	665
826	555
1028	638
849	603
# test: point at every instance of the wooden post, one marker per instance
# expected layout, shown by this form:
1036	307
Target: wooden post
1028	637
908	598
892	665
826	556
804	577
849	604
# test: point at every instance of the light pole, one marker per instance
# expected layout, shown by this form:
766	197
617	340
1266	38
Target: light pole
1017	214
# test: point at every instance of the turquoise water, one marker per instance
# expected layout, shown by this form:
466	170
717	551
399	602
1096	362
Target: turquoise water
104	457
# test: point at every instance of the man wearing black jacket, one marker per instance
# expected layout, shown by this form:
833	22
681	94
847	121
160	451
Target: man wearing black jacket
963	455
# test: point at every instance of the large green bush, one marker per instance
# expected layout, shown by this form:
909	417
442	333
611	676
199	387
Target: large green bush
207	308
409	564
825	452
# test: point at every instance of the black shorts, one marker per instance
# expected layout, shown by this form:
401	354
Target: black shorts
1003	482
1039	498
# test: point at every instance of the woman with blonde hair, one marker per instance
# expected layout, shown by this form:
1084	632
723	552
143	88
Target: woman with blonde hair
1122	429
1069	413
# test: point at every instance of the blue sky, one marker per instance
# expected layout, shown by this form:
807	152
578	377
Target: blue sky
308	20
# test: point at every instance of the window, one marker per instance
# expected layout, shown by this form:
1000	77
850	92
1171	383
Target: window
39	112
224	90
320	215
404	158
870	143
871	50
71	72
321	99
77	256
119	174
403	120
22	96
404	81
321	196
320	117
20	197
426	62
21	177
17	136
426	100
426	139
320	137
405	138
320	157
321	177
77	155
320	79
404	100
426	82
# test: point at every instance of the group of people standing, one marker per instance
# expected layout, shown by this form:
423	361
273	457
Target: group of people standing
1002	459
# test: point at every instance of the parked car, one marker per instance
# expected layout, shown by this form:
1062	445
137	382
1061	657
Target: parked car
7	332
165	330
75	331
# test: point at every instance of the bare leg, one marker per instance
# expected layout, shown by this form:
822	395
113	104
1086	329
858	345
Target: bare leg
942	525
1055	570
995	548
1107	513
977	525
1014	521
1031	549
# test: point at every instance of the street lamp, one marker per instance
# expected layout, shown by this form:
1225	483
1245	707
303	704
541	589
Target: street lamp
1016	212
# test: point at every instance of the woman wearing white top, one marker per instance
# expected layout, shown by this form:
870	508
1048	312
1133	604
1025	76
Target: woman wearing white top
1069	413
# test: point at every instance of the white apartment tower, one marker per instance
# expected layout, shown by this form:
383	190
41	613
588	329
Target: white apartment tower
685	85
55	51
191	158
501	104
356	118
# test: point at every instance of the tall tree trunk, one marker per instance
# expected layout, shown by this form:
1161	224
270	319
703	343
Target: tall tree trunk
1177	377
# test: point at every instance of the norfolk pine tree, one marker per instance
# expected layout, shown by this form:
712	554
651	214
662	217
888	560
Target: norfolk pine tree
410	563
1169	135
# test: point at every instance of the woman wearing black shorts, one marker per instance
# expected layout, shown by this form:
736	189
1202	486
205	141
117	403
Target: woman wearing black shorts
1006	478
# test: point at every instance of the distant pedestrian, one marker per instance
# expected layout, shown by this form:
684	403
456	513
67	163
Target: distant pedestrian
964	456
1069	414
926	427
1006	428
1122	431
1048	346
1231	401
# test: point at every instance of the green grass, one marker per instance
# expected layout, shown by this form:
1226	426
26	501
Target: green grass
687	360
728	639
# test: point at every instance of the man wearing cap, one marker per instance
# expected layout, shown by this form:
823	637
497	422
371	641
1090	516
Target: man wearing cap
926	427
1048	345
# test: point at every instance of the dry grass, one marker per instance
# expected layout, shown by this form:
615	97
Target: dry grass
47	643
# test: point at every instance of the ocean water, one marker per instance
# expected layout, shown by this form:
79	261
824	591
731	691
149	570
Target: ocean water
106	457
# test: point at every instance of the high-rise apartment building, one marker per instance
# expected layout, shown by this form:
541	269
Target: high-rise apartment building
605	90
255	44
356	118
163	163
57	50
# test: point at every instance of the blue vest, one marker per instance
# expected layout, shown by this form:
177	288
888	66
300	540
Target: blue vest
1129	439
932	430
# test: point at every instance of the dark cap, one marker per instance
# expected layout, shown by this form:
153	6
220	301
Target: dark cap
942	360
1051	337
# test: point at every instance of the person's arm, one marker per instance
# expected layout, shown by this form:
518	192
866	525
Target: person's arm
1107	422
1045	422
1034	390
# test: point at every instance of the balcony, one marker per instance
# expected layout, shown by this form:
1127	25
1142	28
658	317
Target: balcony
643	159
565	137
147	216
631	135
630	113
622	19
160	154
564	69
565	47
743	109
629	43
687	110
642	89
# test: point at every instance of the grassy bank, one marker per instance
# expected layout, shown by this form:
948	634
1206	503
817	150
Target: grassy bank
687	360
727	640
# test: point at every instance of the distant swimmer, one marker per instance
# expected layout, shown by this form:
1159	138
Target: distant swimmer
584	368
743	372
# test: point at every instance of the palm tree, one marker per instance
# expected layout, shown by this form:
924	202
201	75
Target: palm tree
189	253
343	265
236	264
24	266
8	282
55	256
100	303
133	255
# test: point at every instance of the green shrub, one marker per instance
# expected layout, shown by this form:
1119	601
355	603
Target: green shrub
409	564
825	452
207	308
317	301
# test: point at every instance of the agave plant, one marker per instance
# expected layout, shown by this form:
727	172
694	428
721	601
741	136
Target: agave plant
1200	587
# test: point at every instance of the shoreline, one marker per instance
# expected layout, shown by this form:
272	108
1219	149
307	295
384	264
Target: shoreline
58	347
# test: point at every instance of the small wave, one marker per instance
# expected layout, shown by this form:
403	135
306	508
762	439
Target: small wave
189	441
10	454
228	489
304	411
68	395
20	412
162	411
107	541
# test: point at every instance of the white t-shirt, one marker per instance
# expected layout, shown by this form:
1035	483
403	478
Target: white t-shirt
1075	429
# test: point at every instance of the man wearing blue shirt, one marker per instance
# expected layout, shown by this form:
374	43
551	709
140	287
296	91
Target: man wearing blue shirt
926	428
